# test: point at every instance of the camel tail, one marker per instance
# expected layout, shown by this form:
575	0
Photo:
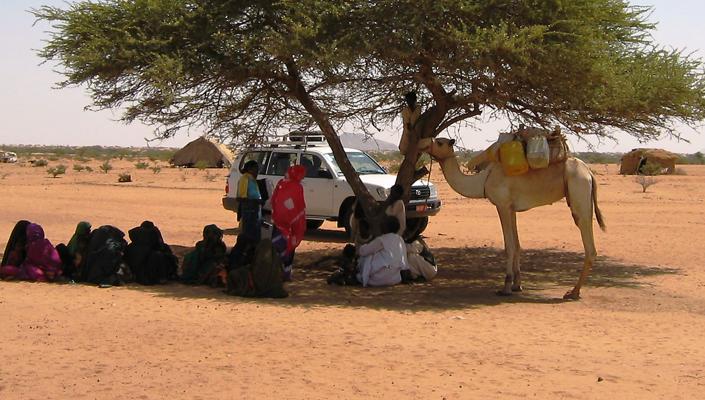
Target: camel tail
598	213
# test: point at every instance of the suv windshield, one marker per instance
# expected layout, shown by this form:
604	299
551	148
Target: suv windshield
363	164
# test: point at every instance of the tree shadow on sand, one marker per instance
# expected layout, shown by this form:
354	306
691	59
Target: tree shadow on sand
467	278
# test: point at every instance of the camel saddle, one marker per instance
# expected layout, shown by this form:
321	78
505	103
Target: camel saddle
557	144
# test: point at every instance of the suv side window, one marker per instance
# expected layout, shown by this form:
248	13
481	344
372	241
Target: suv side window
260	156
315	168
280	162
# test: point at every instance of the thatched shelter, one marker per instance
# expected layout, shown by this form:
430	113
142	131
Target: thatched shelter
212	155
633	161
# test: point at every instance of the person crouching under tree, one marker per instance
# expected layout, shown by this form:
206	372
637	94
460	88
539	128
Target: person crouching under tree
249	202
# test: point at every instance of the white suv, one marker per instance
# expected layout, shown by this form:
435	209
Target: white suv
328	195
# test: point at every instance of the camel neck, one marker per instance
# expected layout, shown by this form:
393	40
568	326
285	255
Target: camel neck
472	186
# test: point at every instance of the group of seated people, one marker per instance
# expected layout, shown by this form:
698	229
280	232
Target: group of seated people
102	256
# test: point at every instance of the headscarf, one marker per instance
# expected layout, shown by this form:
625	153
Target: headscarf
35	233
83	230
18	235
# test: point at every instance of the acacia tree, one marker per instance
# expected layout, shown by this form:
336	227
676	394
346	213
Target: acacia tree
248	69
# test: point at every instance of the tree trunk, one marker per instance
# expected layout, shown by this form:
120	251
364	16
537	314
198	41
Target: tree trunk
369	204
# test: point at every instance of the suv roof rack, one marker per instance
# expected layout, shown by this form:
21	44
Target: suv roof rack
297	140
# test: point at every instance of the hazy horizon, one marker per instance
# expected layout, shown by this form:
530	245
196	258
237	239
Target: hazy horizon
35	113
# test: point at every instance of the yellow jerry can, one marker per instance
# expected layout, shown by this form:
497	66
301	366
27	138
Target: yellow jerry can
513	159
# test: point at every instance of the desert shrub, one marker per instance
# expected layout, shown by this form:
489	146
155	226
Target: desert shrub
82	159
201	165
106	167
124	177
651	169
56	171
53	158
78	167
89	169
41	163
141	165
645	182
156	169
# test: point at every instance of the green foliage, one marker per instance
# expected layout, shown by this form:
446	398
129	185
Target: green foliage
124	177
106	167
141	165
78	167
201	165
651	169
695	158
53	158
57	170
156	169
599	158
41	163
89	169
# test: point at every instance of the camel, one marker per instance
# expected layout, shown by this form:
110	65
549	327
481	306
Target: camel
511	194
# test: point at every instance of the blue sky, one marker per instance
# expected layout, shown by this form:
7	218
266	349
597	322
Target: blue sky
32	112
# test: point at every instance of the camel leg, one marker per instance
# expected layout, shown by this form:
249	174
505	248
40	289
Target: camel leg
507	217
582	209
516	284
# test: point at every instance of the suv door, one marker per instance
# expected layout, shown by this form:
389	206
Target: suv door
318	186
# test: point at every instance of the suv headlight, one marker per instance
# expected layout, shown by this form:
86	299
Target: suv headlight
433	192
383	193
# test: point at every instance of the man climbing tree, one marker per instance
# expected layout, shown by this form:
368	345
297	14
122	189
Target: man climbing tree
249	68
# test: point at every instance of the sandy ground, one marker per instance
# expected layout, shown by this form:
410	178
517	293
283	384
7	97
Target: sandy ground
637	333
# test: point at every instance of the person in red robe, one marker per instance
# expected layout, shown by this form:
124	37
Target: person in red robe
289	216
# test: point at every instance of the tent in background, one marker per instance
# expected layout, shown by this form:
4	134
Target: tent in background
633	161
210	154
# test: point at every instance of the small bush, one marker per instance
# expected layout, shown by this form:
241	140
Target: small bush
82	159
156	169
141	165
53	158
201	165
89	169
645	182
41	163
56	171
78	167
651	169
106	167
124	177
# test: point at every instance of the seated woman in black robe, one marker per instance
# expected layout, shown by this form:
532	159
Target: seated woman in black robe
203	264
16	249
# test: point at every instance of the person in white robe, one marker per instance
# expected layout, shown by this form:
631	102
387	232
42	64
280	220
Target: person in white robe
382	260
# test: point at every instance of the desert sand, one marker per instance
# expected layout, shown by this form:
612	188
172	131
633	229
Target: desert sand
637	332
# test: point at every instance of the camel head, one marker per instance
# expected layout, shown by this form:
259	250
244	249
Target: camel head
440	149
